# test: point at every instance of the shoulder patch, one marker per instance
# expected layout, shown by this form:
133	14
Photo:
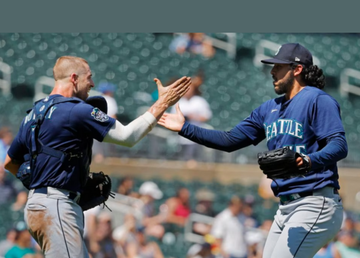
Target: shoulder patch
99	115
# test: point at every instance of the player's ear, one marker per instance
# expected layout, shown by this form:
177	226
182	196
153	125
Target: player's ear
298	69
74	78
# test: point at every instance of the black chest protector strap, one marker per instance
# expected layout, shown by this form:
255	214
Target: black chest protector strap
40	110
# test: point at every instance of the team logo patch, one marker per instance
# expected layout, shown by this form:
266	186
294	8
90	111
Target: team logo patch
99	115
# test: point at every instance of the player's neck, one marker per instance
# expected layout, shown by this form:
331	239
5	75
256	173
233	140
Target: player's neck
297	87
62	89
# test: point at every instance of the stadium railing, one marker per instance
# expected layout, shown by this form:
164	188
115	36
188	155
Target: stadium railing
5	82
346	86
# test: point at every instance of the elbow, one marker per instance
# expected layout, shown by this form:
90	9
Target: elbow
7	163
130	144
231	147
229	150
345	152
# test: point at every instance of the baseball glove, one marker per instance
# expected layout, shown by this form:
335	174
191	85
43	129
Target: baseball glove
96	191
281	163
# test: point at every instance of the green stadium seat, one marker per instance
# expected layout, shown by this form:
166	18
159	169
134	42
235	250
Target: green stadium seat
232	87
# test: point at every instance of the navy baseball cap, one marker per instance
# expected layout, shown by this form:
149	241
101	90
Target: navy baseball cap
291	53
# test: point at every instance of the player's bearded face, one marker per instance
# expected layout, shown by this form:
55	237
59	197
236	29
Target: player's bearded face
283	78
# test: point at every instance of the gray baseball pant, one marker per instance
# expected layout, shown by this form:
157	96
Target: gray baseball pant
56	223
303	226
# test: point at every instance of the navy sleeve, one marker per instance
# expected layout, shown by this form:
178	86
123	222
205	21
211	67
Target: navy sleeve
253	125
17	148
325	117
91	121
334	150
220	140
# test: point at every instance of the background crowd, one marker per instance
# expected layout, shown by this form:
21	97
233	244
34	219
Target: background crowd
168	221
158	218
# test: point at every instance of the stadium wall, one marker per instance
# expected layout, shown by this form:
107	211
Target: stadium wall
222	172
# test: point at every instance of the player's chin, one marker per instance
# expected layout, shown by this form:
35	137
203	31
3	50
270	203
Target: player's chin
84	96
278	90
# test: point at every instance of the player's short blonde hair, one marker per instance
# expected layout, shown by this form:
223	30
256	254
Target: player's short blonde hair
66	65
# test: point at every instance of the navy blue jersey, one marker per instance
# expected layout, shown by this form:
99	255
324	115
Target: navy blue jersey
308	122
69	127
302	122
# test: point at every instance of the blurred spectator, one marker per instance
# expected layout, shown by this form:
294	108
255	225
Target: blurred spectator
126	232
269	201
100	150
9	242
256	238
6	138
196	110
150	192
100	244
108	90
205	200
20	201
124	196
229	231
194	43
347	245
7	188
328	251
204	206
200	251
141	247
178	207
264	189
90	220
350	222
23	245
247	216
126	186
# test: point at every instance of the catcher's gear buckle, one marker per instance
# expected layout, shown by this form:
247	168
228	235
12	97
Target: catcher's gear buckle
77	155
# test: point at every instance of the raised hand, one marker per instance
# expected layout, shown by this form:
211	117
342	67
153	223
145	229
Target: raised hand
173	122
172	93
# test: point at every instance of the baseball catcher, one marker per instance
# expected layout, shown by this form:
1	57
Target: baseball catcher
55	140
97	188
283	163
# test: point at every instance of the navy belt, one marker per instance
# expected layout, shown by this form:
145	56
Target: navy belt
284	199
44	190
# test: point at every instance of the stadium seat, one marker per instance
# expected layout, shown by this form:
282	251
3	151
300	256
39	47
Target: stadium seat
131	60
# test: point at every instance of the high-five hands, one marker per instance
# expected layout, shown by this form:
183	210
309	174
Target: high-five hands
172	93
173	122
169	95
